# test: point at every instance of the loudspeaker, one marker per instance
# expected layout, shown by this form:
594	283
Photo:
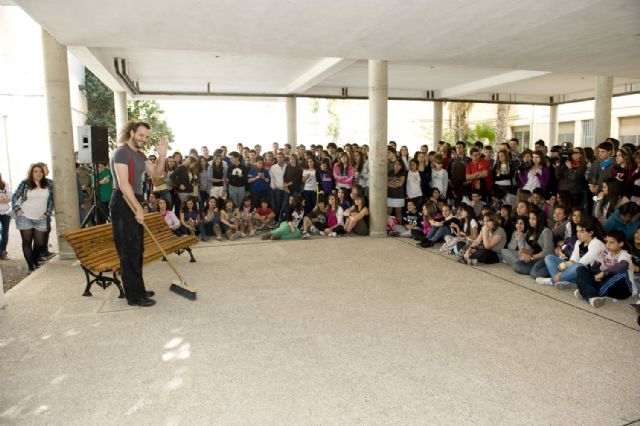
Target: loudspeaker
93	144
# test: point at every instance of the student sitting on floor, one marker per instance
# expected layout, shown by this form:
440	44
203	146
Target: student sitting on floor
564	248
610	276
210	222
429	212
439	228
539	243
489	244
316	221
558	224
410	220
589	248
355	218
335	217
190	216
518	242
264	216
230	220
165	210
289	227
247	213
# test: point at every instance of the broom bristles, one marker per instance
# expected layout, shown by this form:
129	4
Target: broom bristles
184	290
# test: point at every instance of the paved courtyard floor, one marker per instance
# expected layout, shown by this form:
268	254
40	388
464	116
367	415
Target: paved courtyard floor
324	331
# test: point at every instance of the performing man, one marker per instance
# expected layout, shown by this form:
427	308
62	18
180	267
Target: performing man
129	164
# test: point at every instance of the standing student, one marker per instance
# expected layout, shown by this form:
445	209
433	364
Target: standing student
128	165
33	204
343	172
310	179
278	194
439	176
237	179
414	189
5	217
395	189
204	183
105	184
259	181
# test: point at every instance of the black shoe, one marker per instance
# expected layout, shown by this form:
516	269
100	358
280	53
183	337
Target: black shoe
151	293
144	302
426	244
47	255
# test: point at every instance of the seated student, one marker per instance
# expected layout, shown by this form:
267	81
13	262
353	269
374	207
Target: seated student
476	203
264	216
343	198
564	247
429	212
610	276
558	223
439	227
539	243
230	220
435	196
335	217
537	199
210	222
625	219
511	253
165	210
467	226
289	227
507	220
610	199
355	218
489	244
316	221
497	200
152	204
410	220
246	217
635	259
190	216
587	250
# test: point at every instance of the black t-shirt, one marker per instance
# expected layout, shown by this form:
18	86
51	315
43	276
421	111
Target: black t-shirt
409	218
237	175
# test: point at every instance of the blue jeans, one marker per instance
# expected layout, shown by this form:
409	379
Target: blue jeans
569	274
437	234
279	200
535	269
236	193
4	239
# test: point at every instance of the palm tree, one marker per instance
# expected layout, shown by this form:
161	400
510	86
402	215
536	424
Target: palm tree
458	114
502	123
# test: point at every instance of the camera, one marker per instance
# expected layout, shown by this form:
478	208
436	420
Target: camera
566	151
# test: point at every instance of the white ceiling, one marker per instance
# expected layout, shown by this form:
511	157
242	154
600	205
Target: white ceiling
469	49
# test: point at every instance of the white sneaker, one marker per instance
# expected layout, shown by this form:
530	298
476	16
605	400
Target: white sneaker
252	233
313	229
242	235
305	236
597	302
333	234
321	233
543	281
577	294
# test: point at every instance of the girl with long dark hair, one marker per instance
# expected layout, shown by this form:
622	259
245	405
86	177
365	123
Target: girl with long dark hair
33	205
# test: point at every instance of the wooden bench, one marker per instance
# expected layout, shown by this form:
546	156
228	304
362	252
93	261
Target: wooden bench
96	250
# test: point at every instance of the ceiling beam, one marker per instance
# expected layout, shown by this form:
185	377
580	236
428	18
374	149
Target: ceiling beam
488	83
316	74
89	60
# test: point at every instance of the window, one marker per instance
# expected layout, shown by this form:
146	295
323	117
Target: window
587	133
523	135
630	130
566	132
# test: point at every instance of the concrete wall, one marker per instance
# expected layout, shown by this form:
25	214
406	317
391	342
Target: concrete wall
23	116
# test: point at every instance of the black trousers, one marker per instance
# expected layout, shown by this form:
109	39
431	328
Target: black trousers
485	256
617	286
128	236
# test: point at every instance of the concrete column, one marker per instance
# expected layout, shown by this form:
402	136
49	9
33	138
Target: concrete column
292	122
378	98
122	114
56	76
602	119
437	123
553	126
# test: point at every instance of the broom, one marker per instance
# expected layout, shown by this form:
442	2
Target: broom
179	287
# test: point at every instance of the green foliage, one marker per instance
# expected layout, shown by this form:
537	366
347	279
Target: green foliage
484	131
150	112
333	127
100	104
101	112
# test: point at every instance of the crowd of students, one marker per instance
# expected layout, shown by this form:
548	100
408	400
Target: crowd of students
566	216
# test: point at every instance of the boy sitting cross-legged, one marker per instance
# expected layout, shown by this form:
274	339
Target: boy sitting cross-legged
611	276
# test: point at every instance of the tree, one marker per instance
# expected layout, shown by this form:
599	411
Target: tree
333	127
484	131
502	123
101	112
458	113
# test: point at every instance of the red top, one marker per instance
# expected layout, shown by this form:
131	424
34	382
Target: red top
480	166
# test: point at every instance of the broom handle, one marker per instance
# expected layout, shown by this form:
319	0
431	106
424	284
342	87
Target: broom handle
155	241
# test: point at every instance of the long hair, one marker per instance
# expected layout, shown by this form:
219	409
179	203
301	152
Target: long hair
615	191
507	157
44	183
591	224
535	231
131	126
2	184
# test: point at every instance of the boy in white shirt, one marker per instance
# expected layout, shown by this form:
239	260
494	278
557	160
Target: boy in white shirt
614	277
